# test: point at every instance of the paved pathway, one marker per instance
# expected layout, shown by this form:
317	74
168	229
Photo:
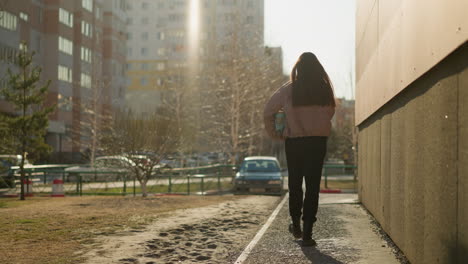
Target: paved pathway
344	234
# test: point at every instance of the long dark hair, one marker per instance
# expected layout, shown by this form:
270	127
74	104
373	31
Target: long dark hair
311	84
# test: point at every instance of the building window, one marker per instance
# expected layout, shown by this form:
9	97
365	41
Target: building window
176	17
87	4
86	55
65	45
65	74
161	66
86	29
159	82
160	35
144	36
129	21
98	13
250	20
129	51
129	35
23	47
145	21
8	53
144	81
65	103
65	17
8	20
161	51
144	66
144	5
144	51
85	81
24	16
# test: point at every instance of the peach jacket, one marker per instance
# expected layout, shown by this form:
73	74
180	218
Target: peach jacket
301	121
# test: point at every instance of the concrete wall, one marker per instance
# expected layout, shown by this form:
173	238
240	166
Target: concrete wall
397	41
413	164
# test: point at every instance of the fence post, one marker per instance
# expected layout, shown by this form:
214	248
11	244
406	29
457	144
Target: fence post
81	186
219	180
169	187
203	185
134	186
325	174
78	183
124	184
188	184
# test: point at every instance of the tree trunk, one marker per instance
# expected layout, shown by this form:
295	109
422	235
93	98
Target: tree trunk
23	140
22	178
144	190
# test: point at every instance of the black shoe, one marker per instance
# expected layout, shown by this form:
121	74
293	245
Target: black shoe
295	230
309	243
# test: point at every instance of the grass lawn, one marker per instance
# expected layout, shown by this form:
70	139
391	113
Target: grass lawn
52	230
162	188
339	184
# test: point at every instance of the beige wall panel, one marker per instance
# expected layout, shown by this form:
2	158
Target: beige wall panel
370	158
388	10
364	9
375	185
463	165
366	97
440	160
363	164
397	180
368	42
414	147
385	149
419	33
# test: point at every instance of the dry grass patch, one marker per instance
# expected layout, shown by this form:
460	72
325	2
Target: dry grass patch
339	184
51	230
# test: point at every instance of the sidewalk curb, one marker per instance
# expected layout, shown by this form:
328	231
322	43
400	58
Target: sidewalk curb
330	191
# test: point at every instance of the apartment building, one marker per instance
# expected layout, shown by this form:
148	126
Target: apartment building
80	47
156	35
160	48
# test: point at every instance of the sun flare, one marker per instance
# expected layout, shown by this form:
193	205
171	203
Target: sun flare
194	18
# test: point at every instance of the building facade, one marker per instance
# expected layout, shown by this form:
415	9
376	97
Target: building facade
411	111
80	46
163	52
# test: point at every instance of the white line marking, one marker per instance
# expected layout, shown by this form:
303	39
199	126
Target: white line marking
260	233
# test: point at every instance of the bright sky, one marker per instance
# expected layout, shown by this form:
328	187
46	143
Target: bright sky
324	27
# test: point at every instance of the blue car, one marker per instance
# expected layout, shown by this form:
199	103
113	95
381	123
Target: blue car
259	175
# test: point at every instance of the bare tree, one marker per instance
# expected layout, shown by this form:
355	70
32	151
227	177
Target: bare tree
94	122
235	100
180	105
144	141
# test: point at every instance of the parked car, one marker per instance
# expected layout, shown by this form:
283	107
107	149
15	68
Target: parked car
259	175
100	171
6	175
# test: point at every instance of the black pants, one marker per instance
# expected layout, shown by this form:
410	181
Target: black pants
305	156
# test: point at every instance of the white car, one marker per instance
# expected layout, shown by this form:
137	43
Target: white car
105	168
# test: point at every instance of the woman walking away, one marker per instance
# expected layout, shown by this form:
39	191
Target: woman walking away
309	105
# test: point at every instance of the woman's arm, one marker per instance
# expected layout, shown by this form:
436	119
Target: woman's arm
272	107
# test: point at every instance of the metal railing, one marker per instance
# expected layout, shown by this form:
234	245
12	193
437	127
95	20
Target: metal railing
340	176
198	180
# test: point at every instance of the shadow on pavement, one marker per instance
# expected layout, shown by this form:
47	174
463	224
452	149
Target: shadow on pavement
317	257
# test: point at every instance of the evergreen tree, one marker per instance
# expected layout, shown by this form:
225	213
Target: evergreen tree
28	125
